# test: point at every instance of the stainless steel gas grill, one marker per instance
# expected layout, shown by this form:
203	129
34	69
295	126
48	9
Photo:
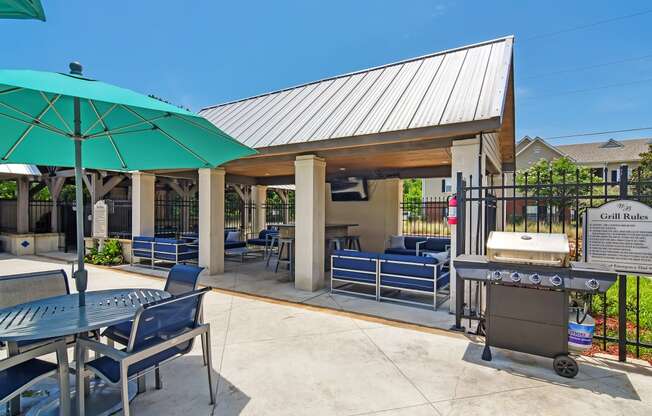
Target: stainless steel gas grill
529	281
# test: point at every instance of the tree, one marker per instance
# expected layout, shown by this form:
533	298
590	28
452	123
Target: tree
412	190
550	176
642	176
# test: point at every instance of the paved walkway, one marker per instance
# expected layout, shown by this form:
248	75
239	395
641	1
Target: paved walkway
277	359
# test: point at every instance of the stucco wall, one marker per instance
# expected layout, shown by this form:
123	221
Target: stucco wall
431	188
378	218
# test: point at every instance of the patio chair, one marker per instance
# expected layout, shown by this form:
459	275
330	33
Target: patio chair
19	372
182	279
162	332
27	287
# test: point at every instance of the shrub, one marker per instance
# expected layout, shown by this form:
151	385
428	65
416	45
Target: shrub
110	254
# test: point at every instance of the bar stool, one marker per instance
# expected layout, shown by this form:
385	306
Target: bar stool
270	252
288	245
353	243
336	243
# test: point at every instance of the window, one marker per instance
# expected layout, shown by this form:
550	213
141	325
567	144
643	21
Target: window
614	175
446	185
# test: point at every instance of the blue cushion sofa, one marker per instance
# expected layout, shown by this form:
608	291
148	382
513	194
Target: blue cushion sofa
169	250
415	246
230	242
384	276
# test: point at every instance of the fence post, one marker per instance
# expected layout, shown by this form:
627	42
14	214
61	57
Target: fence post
622	284
459	249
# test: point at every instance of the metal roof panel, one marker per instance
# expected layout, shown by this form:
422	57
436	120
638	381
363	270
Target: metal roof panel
406	107
458	85
358	114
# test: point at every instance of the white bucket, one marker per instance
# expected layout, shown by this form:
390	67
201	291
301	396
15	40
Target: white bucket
580	335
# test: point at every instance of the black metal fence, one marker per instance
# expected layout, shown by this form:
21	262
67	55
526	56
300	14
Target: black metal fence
550	203
279	213
175	216
425	217
119	218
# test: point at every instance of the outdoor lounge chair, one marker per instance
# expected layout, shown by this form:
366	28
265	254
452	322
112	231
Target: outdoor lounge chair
385	276
161	332
169	250
182	279
19	372
416	246
264	239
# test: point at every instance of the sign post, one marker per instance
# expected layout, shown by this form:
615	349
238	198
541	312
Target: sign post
619	234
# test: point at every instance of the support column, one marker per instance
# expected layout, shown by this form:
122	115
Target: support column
211	220
310	197
259	199
22	205
142	204
467	157
55	186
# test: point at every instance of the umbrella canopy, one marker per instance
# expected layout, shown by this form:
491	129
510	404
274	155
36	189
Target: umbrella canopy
120	129
47	118
21	9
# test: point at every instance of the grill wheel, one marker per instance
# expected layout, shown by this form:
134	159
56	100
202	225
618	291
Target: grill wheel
565	366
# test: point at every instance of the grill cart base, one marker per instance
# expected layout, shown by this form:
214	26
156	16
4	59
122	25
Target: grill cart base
533	321
529	282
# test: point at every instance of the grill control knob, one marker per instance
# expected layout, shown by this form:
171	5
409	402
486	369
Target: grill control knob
592	284
556	280
496	275
535	278
515	277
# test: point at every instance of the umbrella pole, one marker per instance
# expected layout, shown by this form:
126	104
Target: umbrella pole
81	274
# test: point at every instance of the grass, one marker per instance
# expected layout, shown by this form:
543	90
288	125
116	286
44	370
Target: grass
645	315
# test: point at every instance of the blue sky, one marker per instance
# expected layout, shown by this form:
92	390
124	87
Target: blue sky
203	52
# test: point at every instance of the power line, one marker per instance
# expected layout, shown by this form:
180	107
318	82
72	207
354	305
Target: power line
585	68
601	87
597	133
588	25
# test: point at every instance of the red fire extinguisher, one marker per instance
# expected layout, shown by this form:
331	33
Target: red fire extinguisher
452	210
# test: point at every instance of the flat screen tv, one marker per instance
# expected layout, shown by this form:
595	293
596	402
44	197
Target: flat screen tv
349	189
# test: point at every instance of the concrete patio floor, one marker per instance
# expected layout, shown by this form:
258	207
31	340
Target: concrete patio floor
275	358
252	277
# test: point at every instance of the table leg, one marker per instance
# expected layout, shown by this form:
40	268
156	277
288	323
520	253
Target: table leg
14	404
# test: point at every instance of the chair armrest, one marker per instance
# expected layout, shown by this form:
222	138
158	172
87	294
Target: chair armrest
134	357
418	246
48	348
101	348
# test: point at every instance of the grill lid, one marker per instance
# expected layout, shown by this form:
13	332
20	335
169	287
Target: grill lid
528	248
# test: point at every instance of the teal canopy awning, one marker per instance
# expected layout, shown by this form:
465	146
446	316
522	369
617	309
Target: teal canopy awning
21	9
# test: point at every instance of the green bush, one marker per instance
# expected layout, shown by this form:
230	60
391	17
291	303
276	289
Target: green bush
110	254
645	313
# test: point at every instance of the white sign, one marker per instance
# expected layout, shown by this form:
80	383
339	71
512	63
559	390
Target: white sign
100	220
619	234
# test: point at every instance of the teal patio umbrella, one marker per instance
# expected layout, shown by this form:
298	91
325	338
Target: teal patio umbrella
21	9
69	120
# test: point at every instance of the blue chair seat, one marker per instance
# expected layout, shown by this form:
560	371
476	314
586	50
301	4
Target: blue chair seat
110	368
354	276
234	244
174	257
412	284
400	251
19	375
119	333
260	242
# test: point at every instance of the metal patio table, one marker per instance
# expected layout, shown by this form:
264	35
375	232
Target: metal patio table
61	316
